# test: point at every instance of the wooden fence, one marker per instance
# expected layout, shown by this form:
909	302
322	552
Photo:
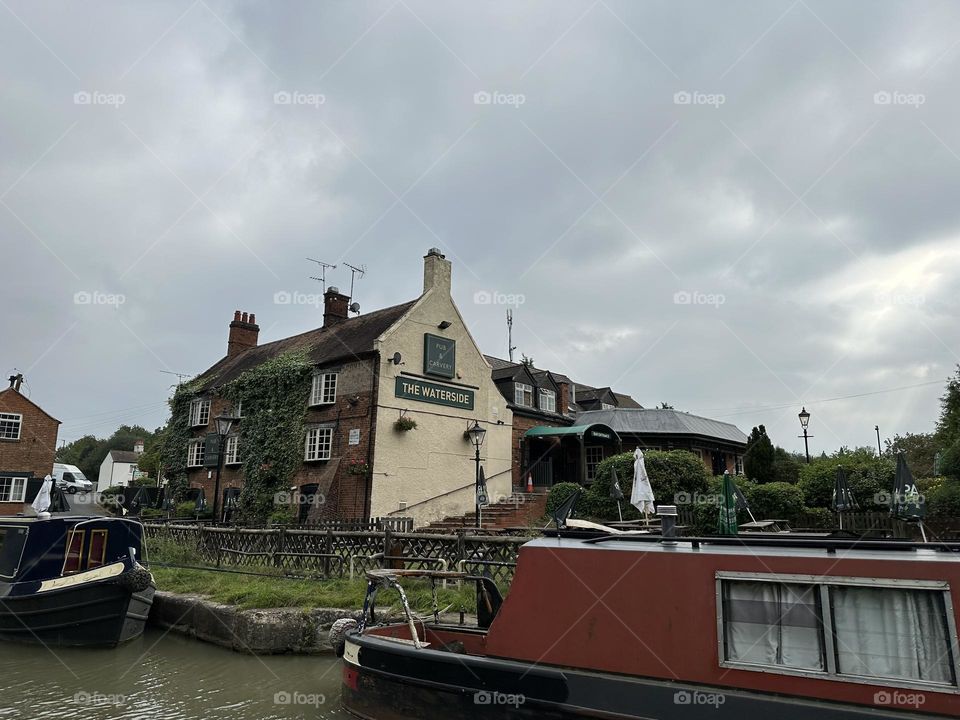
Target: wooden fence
340	553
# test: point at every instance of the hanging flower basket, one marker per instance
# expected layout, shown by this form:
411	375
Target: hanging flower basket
358	468
403	424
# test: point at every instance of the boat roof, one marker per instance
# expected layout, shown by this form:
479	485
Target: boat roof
774	545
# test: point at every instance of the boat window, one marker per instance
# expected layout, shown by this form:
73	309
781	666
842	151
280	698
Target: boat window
773	624
896	633
74	551
12	541
98	548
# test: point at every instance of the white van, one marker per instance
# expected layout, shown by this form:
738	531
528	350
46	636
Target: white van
71	478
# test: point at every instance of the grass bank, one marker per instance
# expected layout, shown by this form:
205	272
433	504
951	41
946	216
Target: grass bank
250	592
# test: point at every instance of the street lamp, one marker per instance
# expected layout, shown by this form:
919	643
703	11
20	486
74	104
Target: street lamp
879	449
224	425
476	433
804	421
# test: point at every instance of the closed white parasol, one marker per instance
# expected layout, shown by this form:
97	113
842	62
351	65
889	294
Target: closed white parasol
642	495
42	502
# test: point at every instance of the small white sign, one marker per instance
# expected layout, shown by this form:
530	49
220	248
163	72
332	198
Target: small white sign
354	436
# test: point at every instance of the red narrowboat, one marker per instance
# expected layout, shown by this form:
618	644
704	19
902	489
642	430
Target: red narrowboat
639	626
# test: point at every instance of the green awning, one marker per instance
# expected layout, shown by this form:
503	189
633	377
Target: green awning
594	431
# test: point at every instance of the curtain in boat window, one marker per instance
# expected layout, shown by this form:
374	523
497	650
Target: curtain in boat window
891	633
776	624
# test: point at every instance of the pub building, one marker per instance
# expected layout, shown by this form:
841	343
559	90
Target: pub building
416	361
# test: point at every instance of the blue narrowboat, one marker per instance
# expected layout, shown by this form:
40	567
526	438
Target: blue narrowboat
73	581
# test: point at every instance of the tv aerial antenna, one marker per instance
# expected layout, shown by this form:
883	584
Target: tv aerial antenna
323	272
355	273
180	376
510	346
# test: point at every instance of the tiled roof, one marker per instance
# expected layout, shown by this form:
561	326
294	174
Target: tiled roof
124	456
347	339
655	421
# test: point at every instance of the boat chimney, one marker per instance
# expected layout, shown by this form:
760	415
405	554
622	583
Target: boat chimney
668	523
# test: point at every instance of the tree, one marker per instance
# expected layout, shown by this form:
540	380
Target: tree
870	478
759	457
920	450
786	466
88	452
948	426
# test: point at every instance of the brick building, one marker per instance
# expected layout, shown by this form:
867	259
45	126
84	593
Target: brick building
28	445
415	360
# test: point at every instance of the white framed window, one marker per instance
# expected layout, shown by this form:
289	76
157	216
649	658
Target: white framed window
594	458
865	630
738	465
199	413
238	409
231	453
523	394
319	444
548	400
607	406
195	450
13	489
324	389
10	424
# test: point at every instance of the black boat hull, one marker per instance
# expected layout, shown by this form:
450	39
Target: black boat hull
386	680
100	614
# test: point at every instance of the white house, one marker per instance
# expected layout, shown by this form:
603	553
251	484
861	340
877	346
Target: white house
119	467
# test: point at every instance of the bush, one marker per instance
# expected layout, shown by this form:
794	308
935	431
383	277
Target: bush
186	509
281	516
950	461
671	473
943	499
867	475
559	494
152	513
773	501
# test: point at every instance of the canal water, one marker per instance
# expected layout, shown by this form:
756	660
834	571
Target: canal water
165	677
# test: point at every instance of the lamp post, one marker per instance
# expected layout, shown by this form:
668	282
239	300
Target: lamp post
879	449
476	434
224	425
804	422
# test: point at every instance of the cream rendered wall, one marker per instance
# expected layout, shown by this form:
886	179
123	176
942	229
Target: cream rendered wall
428	467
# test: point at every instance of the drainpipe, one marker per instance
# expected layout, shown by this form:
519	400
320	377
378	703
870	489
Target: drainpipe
372	415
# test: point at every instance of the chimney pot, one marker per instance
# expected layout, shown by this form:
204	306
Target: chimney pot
236	315
253	319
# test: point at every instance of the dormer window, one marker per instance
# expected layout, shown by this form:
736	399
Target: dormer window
199	413
607	406
523	394
548	400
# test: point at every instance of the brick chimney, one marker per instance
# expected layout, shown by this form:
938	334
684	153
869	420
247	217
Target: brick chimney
244	332
563	402
436	271
335	306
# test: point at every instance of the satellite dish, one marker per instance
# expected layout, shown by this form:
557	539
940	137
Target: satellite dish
396	359
355	307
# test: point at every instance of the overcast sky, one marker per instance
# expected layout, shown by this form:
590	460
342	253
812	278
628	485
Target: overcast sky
736	208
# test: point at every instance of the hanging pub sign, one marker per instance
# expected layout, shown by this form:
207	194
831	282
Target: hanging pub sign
439	356
428	392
